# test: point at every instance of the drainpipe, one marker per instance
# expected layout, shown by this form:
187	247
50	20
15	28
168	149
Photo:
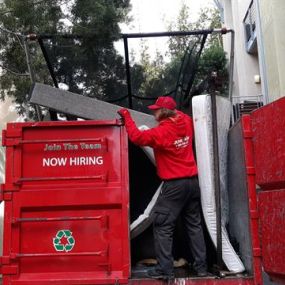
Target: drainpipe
261	55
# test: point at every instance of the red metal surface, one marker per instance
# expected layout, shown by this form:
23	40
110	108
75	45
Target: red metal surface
272	217
269	145
253	209
49	188
66	203
269	150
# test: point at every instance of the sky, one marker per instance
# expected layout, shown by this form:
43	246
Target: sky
155	16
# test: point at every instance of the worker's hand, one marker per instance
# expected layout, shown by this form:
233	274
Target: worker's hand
124	112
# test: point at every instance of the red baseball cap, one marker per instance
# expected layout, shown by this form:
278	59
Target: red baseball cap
163	102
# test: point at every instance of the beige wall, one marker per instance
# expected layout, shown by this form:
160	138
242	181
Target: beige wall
246	65
273	24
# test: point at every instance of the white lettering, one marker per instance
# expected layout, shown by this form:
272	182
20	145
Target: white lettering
50	147
73	161
54	161
181	143
62	161
90	146
45	162
82	160
99	160
69	146
92	160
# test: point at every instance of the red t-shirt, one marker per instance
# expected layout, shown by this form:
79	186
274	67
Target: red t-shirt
171	141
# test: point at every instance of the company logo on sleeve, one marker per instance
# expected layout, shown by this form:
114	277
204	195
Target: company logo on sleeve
181	143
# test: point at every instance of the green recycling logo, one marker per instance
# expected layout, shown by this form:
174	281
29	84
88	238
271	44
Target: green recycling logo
63	241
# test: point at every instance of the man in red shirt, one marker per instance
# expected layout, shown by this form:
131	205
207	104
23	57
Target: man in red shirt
171	141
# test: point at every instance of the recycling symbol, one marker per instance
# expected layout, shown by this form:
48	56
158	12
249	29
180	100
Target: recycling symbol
63	241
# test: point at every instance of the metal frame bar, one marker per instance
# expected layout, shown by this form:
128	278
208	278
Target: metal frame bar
53	114
95	140
95	253
23	220
128	72
49	65
217	181
190	82
175	33
231	72
159	34
32	179
125	38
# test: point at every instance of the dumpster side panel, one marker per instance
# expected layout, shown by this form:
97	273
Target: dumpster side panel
269	150
47	155
67	202
269	145
272	216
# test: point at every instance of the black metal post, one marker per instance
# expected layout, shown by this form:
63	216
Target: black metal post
53	114
176	33
231	72
40	40
143	35
167	34
32	76
216	173
128	73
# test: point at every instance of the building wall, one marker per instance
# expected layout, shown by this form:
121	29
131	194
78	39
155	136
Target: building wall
246	65
272	24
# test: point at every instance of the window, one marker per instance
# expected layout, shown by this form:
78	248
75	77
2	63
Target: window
249	23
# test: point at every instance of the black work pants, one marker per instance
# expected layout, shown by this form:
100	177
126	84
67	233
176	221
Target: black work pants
179	196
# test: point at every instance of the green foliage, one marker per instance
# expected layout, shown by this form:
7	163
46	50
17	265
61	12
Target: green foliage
89	65
213	59
22	17
154	77
166	77
209	18
178	45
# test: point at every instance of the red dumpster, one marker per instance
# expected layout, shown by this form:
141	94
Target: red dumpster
66	203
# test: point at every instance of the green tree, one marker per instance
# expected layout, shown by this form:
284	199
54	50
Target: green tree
147	75
88	64
178	45
208	18
213	58
181	54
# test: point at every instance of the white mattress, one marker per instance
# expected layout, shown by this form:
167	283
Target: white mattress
145	220
204	151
